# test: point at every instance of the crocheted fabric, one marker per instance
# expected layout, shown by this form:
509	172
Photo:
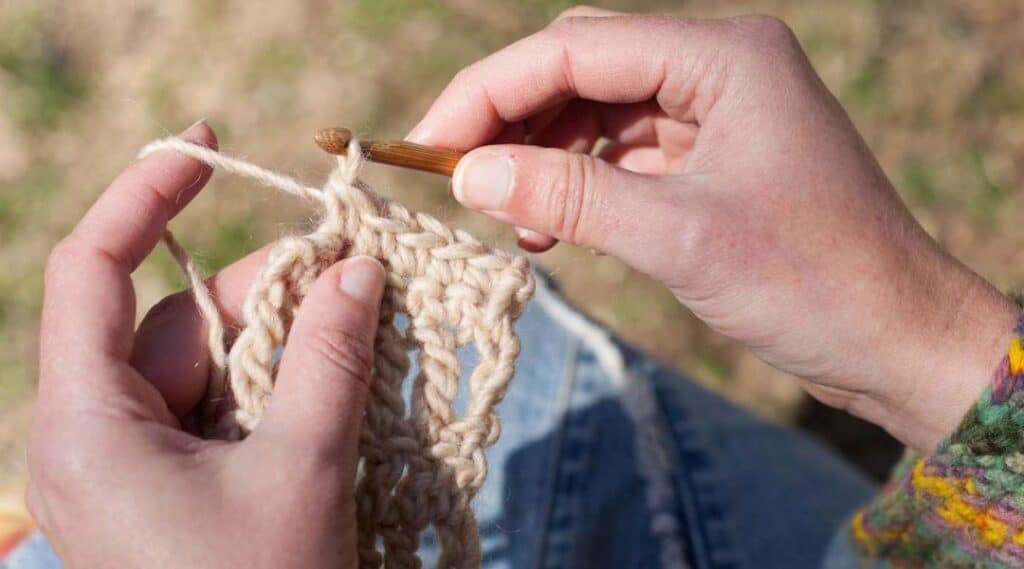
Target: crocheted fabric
963	506
421	466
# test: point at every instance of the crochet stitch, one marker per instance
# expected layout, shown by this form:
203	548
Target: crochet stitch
420	466
963	506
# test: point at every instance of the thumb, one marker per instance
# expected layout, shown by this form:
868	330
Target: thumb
324	372
570	196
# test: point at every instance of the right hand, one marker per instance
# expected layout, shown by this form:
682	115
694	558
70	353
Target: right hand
736	179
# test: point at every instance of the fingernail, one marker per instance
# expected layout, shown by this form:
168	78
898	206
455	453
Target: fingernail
416	135
483	181
193	125
523	237
362	278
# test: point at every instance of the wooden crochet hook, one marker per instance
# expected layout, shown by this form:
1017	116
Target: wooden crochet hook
393	152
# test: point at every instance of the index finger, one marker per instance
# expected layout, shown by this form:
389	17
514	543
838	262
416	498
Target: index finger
609	59
89	303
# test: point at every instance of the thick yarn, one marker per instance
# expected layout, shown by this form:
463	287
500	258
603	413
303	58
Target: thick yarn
420	466
962	506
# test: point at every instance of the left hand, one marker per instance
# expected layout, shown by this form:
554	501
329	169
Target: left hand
115	481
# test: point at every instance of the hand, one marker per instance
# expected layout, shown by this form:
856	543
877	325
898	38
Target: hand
737	180
115	481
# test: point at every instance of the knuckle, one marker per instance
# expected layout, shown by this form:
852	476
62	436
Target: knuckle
150	198
351	355
465	84
572	197
49	460
577	11
696	231
694	235
764	37
766	29
567	22
465	78
462	75
60	257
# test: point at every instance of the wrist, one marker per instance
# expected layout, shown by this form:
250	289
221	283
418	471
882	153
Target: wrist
940	355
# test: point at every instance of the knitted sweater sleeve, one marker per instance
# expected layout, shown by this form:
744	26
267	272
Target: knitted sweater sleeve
962	506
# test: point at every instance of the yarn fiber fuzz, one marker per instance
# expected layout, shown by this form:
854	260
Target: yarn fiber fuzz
421	464
963	505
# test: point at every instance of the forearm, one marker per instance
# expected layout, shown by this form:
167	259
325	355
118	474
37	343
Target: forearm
935	358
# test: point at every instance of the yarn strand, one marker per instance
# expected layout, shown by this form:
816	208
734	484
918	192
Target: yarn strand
420	466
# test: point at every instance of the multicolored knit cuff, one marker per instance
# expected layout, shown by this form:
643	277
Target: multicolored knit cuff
963	505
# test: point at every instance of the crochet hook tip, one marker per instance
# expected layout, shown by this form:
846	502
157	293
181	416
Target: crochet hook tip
393	152
333	140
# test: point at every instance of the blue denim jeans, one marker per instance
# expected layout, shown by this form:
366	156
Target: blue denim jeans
609	459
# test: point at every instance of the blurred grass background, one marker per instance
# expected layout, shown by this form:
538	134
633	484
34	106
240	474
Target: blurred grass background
936	87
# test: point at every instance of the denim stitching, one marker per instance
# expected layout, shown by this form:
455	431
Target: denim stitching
641	406
551	515
577	440
711	537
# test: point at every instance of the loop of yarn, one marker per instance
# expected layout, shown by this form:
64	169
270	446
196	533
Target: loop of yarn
420	466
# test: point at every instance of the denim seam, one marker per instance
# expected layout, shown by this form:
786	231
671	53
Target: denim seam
640	404
704	510
579	440
565	400
657	470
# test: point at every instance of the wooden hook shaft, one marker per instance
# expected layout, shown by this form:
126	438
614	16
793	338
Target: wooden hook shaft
393	152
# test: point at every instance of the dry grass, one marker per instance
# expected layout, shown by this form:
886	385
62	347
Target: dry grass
937	88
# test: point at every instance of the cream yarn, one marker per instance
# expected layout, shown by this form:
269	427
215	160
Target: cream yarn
420	466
